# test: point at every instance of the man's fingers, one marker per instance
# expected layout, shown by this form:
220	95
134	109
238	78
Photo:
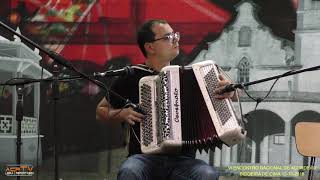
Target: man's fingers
220	97
135	113
137	119
132	119
135	116
218	90
221	78
131	122
223	83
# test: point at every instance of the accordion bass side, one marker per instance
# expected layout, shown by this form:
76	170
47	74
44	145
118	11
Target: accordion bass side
181	112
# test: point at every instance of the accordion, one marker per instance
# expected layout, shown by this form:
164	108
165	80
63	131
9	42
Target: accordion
181	112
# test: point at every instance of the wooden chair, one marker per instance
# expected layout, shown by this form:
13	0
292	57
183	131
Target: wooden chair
307	141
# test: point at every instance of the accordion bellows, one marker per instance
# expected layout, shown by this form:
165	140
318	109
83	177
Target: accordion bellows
181	111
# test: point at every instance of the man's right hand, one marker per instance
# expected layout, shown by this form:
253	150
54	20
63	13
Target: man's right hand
106	112
130	116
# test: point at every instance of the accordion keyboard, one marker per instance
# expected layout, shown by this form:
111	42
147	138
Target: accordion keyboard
164	107
146	125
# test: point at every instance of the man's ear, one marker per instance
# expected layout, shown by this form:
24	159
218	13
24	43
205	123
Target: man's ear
149	48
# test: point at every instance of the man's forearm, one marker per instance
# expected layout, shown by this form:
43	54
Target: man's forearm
108	114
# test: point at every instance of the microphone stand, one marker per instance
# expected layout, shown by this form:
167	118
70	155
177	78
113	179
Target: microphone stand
62	61
55	95
19	118
19	83
233	87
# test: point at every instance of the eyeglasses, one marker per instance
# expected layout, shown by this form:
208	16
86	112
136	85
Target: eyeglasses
172	37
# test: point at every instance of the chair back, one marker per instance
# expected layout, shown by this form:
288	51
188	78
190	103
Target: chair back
308	138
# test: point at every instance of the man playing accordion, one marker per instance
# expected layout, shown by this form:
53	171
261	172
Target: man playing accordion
159	44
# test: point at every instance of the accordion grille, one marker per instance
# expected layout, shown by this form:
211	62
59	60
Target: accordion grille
220	107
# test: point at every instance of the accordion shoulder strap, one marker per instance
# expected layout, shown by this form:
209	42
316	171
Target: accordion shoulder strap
144	67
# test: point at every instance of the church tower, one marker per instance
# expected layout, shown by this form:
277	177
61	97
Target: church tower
307	44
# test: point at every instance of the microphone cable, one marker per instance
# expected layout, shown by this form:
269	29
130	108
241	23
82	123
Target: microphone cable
259	99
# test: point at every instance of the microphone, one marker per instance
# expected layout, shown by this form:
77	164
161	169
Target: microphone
19	81
227	88
231	87
119	72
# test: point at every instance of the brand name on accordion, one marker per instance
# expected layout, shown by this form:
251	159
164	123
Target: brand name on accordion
176	105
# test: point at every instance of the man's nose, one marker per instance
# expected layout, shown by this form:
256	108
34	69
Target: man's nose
175	41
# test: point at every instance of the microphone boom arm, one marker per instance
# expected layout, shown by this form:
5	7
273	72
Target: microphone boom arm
62	61
233	87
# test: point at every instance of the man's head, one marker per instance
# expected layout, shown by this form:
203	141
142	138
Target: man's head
157	39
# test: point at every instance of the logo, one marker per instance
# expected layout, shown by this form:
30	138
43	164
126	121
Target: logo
19	170
176	105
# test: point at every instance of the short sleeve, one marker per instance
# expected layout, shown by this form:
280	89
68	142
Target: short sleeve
119	86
